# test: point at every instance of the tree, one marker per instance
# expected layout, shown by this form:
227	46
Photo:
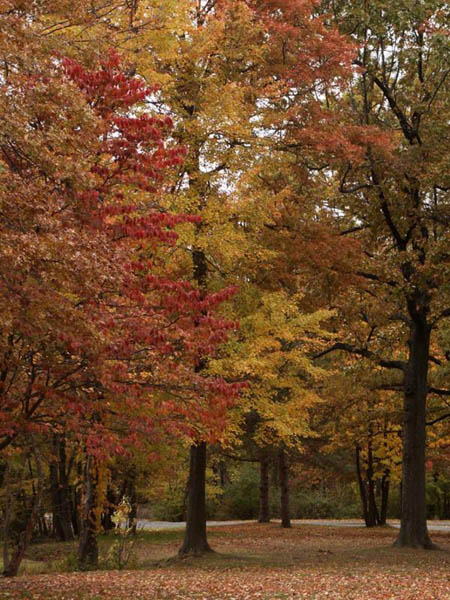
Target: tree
95	339
366	422
221	78
396	204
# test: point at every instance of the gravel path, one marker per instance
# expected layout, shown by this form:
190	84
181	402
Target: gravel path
160	525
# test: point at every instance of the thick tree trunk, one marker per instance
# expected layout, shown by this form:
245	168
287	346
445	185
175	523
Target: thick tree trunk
195	542
413	526
264	514
88	547
284	489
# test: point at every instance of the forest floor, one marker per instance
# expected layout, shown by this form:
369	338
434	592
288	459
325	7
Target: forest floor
251	562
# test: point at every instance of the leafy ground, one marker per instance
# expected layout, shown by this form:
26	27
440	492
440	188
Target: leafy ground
251	562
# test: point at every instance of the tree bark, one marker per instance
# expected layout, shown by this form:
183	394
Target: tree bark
88	547
264	514
284	489
413	525
195	542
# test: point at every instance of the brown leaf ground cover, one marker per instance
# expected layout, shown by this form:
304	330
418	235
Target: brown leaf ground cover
252	561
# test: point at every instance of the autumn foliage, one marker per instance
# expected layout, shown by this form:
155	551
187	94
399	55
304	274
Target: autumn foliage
95	332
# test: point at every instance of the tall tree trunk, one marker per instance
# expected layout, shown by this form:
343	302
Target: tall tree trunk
12	564
361	485
284	489
373	517
88	547
264	515
195	541
413	526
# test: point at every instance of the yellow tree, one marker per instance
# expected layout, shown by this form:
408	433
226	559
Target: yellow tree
220	72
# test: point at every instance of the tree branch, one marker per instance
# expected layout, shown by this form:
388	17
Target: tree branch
441	418
442	315
354	229
438	391
364	352
374	277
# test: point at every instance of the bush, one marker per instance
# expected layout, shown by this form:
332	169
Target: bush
240	498
325	504
170	506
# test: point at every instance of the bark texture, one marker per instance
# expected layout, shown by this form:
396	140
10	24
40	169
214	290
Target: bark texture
413	525
195	541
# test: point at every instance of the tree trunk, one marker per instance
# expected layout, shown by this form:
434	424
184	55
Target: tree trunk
413	526
264	515
385	483
195	542
88	547
60	492
12	564
109	509
284	488
132	517
76	510
373	517
361	485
